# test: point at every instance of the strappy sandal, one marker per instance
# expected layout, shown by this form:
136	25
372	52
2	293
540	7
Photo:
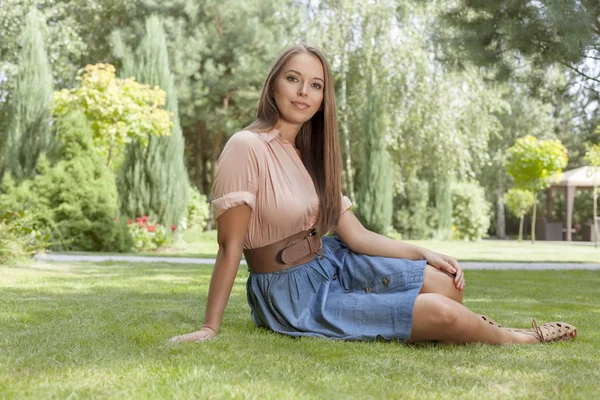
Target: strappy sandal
550	331
489	320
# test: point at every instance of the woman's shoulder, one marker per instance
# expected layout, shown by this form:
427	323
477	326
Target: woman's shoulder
246	138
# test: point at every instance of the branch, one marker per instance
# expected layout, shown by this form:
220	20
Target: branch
579	72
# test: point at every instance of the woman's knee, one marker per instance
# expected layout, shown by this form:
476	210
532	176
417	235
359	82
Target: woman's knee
436	281
442	311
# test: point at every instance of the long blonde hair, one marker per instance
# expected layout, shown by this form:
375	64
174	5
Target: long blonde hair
317	140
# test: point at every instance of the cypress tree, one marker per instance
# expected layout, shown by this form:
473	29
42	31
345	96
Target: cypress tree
154	180
376	189
29	131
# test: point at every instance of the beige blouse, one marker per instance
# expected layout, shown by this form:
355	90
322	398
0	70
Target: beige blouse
264	171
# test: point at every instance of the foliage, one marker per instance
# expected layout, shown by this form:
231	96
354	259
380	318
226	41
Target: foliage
519	201
471	211
119	110
198	210
498	33
153	180
20	235
413	216
376	191
148	235
29	131
76	192
534	164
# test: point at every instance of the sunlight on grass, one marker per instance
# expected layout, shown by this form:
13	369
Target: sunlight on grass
100	330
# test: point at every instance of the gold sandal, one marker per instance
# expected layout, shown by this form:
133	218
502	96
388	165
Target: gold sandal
550	331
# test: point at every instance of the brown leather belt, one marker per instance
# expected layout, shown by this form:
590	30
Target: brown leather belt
289	252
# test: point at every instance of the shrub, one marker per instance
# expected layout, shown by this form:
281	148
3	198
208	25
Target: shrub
471	212
148	235
77	193
198	210
20	236
413	218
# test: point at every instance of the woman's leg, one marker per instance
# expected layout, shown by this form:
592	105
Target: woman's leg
436	281
436	317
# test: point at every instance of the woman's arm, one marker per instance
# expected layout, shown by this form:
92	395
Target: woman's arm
232	226
361	240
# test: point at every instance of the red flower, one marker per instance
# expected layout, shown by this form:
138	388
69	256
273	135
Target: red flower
151	228
173	227
130	221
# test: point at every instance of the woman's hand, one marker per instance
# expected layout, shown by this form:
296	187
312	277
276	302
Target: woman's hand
448	265
205	333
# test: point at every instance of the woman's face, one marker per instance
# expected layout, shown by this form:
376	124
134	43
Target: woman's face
298	89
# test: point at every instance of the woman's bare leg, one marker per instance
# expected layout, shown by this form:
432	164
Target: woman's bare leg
436	281
436	317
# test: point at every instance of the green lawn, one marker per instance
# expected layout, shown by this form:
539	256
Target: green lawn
100	331
203	244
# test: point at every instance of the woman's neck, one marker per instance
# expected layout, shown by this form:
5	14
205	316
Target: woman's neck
289	131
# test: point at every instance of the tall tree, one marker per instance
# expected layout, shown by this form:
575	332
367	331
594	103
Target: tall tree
377	186
153	179
29	131
534	165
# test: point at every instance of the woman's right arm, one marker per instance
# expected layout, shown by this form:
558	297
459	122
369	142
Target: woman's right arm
232	226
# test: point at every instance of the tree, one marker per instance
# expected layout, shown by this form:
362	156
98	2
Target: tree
221	51
376	191
498	33
534	165
120	110
593	157
153	179
29	131
73	34
519	201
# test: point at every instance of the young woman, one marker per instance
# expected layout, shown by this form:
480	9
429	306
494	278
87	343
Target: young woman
277	192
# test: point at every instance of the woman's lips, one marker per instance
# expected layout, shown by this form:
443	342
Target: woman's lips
300	105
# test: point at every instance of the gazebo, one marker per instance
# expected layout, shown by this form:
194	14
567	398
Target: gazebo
569	181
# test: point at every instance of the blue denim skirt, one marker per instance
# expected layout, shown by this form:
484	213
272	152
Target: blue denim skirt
343	295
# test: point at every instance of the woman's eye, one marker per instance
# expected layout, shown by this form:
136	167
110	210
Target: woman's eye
292	78
317	85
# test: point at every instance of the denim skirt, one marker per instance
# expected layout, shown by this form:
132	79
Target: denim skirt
342	295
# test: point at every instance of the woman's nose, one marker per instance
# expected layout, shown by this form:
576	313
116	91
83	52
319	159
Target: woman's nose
303	90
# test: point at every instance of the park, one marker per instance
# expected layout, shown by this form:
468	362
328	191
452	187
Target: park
468	128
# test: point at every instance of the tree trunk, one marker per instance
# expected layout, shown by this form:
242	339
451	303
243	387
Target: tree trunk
345	132
595	212
533	218
500	219
521	228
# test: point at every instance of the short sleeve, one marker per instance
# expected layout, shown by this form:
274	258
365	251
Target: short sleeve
346	204
236	175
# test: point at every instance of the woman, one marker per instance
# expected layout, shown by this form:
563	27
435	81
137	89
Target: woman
277	191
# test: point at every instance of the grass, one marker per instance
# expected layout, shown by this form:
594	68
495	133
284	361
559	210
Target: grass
100	331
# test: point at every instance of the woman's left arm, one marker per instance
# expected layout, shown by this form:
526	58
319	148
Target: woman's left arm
361	240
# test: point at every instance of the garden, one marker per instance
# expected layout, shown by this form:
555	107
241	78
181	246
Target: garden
455	119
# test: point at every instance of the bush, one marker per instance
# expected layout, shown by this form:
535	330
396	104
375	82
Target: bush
198	210
20	236
148	235
77	193
471	211
413	218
